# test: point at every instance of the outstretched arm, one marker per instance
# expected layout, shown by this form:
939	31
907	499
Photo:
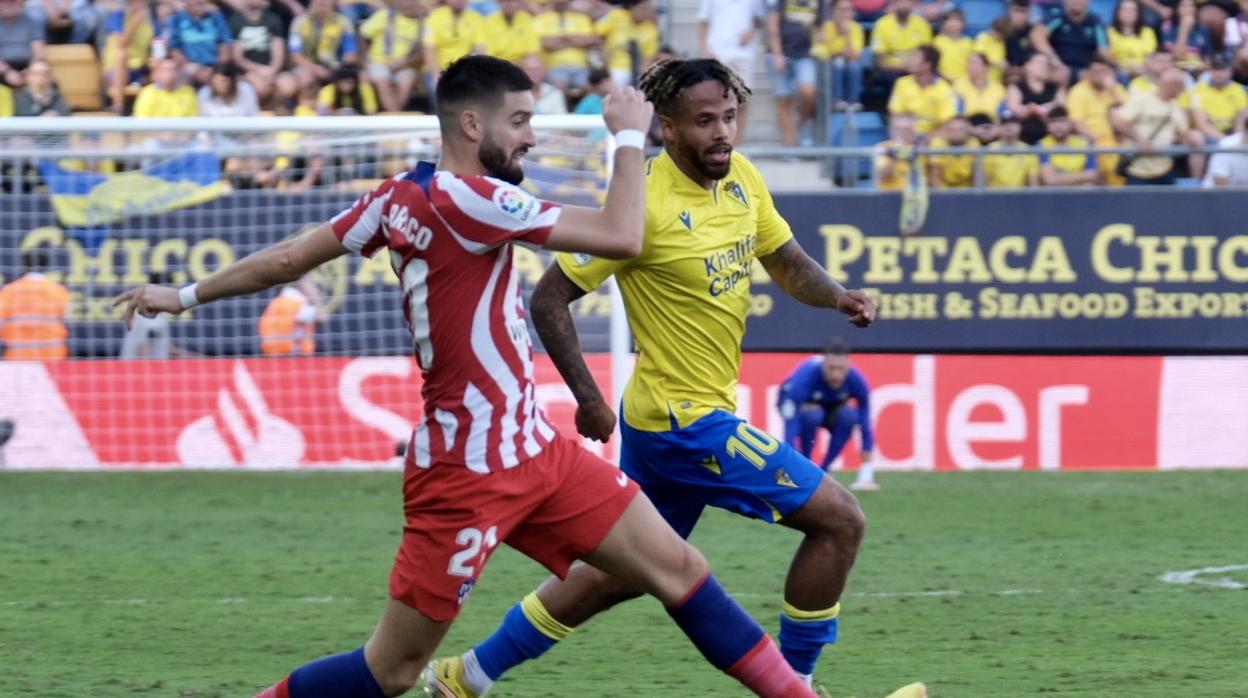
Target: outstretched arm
282	263
803	278
553	320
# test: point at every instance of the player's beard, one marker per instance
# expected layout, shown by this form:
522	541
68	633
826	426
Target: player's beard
497	162
702	165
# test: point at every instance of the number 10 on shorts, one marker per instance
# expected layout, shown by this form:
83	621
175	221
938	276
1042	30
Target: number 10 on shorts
476	547
752	444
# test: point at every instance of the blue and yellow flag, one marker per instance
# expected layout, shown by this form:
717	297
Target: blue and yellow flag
90	199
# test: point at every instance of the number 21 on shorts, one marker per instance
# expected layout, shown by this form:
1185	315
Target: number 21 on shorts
752	444
476	547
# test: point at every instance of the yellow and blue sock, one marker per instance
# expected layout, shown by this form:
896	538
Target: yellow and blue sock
804	633
527	631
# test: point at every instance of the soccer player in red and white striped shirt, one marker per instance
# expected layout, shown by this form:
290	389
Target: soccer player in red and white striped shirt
485	466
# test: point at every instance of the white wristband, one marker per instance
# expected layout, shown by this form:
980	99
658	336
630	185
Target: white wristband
186	296
630	138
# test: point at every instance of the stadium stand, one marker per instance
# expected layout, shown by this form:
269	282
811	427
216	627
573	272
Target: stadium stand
104	59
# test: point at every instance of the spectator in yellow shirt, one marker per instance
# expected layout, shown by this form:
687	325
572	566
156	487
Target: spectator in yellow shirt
128	40
566	37
347	95
320	41
954	47
1011	171
842	44
619	28
923	94
393	35
991	43
977	93
166	96
984	128
1214	105
510	33
451	32
953	171
6	101
1066	169
893	157
1131	41
897	35
1091	100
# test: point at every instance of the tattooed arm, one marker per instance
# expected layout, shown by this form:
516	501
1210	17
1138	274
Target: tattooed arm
802	277
553	320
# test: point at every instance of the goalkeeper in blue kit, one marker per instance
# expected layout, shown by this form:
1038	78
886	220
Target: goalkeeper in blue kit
818	393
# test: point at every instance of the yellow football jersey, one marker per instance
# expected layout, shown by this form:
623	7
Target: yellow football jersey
688	293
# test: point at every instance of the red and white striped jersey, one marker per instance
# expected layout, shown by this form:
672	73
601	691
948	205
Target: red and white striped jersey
449	239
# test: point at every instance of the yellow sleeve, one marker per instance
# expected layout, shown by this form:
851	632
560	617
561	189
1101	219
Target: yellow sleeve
948	106
1150	39
897	101
926	31
1185	99
880	34
431	26
587	272
368	96
6	101
1240	99
606	25
374	25
857	38
325	97
143	103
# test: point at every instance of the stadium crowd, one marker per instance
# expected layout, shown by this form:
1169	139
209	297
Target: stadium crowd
942	73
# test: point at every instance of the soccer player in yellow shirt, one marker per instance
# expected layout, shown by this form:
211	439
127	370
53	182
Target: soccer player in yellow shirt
709	220
394	36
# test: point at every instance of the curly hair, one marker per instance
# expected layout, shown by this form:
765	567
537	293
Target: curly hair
663	82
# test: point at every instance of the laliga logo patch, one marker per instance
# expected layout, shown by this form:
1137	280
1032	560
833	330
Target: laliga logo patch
464	590
513	202
735	191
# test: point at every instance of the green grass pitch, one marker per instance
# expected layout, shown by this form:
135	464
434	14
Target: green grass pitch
989	584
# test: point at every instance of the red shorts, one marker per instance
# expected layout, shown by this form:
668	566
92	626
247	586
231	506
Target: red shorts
555	508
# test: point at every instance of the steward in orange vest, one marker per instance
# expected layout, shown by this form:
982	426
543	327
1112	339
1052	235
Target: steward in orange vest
288	325
32	313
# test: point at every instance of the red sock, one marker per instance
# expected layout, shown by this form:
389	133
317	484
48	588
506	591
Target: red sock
277	690
764	671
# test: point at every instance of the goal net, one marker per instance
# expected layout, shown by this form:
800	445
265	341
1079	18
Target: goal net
318	374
